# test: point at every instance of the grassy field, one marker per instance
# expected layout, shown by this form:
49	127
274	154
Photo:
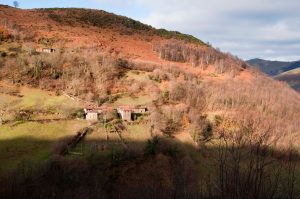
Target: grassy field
130	101
99	142
104	143
137	136
138	75
36	100
32	141
138	132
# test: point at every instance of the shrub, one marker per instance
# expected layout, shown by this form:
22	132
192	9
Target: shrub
201	129
80	114
177	91
3	54
116	156
57	93
55	17
23	115
151	147
171	127
122	63
56	74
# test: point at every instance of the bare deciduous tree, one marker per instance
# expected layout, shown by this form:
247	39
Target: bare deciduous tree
16	4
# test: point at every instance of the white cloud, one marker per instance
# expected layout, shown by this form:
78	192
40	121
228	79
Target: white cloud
246	28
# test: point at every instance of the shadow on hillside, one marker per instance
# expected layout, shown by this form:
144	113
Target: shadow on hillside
164	168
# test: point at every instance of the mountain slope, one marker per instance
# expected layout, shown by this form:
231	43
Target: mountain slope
87	28
292	77
95	50
207	114
283	71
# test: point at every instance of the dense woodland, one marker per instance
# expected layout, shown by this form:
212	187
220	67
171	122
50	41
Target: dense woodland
199	56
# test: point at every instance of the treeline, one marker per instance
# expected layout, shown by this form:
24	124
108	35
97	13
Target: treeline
272	103
102	19
202	56
249	167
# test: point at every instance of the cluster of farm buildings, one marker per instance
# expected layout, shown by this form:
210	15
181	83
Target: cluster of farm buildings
126	113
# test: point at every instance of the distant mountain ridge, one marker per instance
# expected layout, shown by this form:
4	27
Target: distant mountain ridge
292	77
273	68
288	72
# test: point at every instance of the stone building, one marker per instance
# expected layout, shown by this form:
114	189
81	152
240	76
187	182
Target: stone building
125	112
45	50
92	114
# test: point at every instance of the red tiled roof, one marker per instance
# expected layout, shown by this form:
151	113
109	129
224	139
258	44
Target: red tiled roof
125	108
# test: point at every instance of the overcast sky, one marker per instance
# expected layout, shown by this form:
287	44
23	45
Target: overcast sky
268	29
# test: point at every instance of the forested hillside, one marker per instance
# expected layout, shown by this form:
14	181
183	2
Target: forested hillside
214	127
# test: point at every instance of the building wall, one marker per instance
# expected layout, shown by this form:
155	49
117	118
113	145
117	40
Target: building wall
139	110
45	50
127	115
92	116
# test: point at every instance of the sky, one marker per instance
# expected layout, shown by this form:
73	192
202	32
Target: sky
267	29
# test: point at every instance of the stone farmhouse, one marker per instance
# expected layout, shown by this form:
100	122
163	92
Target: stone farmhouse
45	50
128	112
92	114
125	112
96	113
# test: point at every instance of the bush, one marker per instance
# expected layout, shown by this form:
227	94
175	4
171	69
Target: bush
202	130
56	74
151	147
117	156
80	114
57	93
171	127
23	115
55	17
177	91
122	63
166	95
2	62
3	54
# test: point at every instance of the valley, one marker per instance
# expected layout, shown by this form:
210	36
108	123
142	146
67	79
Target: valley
213	124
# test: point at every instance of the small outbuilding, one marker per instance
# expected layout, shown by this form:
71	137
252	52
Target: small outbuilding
139	109
92	114
45	50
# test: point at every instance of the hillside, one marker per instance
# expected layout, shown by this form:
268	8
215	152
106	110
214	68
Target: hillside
273	68
213	128
77	28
